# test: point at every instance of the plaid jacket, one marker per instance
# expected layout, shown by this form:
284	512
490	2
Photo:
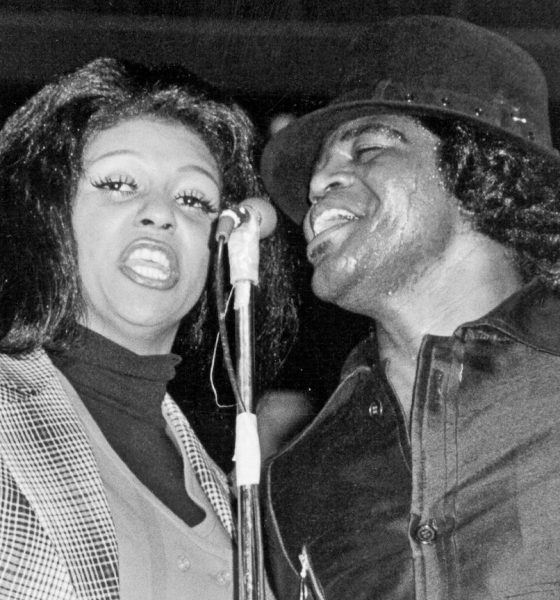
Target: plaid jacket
57	538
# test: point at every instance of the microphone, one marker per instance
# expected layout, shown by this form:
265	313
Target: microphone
251	208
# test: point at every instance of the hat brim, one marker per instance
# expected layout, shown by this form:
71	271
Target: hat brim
289	157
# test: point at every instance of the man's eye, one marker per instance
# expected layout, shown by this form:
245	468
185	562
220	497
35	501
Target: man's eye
124	185
196	200
365	153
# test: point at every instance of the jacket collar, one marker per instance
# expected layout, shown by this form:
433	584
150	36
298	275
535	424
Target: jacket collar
530	316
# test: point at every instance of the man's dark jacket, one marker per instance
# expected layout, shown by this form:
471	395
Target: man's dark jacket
462	503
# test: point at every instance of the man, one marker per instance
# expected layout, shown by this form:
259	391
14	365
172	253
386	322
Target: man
429	197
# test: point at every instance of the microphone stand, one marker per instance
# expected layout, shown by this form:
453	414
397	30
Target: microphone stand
243	252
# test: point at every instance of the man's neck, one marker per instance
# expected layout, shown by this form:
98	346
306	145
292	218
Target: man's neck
456	291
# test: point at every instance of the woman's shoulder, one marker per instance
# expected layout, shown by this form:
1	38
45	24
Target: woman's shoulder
26	372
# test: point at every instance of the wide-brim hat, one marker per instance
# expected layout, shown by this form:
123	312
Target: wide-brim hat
418	66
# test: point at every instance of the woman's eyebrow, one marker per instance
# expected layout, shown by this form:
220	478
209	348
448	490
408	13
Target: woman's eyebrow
109	154
188	168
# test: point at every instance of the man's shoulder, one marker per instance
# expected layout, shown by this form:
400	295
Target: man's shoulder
530	316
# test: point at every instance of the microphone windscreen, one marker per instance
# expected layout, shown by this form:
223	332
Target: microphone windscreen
265	213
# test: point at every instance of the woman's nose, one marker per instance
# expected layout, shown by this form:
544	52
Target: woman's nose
328	177
157	212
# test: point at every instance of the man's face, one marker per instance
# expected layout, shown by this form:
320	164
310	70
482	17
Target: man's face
380	215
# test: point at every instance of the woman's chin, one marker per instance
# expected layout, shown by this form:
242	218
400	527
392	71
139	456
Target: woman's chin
132	325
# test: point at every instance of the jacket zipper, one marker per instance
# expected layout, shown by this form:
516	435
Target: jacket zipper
309	586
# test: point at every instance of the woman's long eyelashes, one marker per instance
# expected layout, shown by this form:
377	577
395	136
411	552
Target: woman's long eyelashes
193	199
121	184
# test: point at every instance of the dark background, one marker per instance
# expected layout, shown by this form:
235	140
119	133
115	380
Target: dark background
273	58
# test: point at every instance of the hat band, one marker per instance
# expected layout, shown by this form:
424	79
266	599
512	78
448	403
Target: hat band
499	113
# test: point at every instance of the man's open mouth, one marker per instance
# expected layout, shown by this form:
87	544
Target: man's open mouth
321	225
331	217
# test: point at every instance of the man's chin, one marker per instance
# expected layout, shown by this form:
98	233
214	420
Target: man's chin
328	286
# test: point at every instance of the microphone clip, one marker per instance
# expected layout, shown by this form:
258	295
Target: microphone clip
229	220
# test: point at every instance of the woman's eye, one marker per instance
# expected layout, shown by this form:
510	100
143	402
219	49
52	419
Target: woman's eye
196	200
122	185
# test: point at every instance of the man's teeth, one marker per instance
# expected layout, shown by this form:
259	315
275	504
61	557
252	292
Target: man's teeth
331	217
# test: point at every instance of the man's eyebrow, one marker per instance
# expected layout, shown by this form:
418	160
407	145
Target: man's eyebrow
375	128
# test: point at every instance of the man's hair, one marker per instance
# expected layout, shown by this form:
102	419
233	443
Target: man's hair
41	148
512	195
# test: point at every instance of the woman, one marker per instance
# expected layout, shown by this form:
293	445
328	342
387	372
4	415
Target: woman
111	180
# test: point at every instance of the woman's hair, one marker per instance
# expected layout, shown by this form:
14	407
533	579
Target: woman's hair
511	194
41	148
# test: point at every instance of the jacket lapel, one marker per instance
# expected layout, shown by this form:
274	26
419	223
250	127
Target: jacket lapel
209	475
48	454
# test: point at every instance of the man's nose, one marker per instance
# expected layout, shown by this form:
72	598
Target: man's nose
331	176
158	212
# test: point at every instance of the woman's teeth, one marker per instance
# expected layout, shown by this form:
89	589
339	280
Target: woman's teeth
158	266
151	264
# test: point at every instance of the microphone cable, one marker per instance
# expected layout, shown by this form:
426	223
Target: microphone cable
222	324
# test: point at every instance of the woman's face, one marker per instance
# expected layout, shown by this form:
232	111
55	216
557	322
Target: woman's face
142	217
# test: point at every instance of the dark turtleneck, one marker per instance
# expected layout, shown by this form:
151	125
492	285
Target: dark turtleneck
123	392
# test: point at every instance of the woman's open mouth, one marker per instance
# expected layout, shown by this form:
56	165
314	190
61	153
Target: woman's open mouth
150	263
